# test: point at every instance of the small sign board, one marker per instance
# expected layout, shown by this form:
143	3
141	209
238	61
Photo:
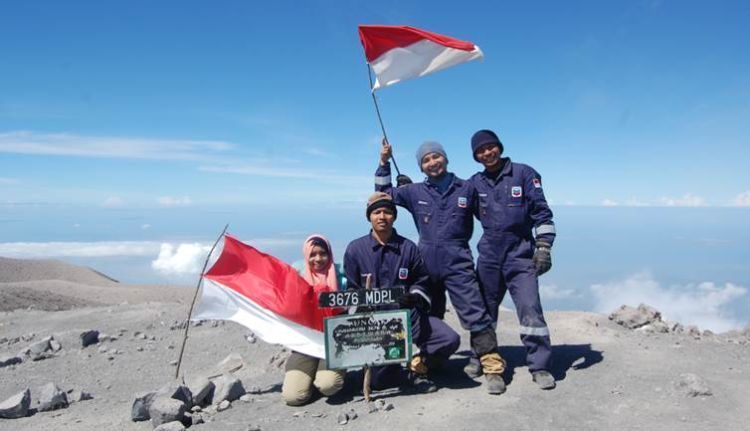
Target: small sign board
354	298
379	338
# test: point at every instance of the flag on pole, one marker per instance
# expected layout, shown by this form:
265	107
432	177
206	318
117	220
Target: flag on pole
397	53
265	295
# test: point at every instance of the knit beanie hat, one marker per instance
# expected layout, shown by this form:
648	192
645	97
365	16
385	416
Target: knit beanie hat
379	200
484	137
427	148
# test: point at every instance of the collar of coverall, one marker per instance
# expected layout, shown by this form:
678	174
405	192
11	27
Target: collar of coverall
449	176
393	241
506	170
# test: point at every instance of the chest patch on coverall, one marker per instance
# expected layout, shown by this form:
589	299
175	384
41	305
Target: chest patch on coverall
516	191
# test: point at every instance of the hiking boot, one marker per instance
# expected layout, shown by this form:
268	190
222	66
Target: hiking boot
495	384
544	379
474	368
421	384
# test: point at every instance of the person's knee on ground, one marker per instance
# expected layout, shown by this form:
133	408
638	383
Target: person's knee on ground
329	382
297	388
300	372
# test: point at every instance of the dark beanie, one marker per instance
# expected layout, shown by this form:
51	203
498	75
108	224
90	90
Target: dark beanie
484	137
379	200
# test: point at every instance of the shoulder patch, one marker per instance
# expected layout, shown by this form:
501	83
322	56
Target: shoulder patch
403	273
537	183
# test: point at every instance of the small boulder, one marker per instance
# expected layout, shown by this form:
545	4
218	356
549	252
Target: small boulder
178	392
51	398
76	396
202	390
16	406
89	337
230	364
228	388
164	410
224	405
55	345
633	318
342	418
40	347
171	426
141	404
693	385
9	360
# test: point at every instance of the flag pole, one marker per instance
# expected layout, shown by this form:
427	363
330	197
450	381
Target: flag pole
195	296
380	119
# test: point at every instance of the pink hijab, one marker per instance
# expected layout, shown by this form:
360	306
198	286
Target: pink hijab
325	278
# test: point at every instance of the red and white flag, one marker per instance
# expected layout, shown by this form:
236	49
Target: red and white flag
397	53
265	295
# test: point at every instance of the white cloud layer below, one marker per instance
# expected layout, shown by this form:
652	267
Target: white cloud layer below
704	305
79	249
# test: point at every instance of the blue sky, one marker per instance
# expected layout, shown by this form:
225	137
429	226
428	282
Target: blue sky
158	122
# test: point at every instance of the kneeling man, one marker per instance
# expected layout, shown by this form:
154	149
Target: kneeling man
391	260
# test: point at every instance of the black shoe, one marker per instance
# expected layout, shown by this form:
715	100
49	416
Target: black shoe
495	384
474	368
421	384
544	379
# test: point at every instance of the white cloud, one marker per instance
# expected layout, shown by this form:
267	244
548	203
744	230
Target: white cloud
169	201
69	144
145	226
703	305
742	199
688	200
113	202
183	259
552	291
79	249
609	203
634	202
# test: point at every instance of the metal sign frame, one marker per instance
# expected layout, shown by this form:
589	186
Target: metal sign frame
369	352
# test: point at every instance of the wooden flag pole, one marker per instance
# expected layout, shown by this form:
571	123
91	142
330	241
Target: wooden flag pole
380	119
195	296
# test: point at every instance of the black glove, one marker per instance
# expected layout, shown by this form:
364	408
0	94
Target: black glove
542	257
402	180
413	300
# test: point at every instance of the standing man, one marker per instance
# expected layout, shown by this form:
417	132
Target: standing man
391	260
442	207
511	207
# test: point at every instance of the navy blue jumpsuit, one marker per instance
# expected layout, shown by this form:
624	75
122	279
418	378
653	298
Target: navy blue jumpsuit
513	212
398	263
445	223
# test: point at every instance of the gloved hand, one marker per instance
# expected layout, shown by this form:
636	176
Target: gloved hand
402	180
413	300
542	257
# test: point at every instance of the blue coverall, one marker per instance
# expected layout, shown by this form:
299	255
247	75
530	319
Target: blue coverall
511	207
445	223
398	263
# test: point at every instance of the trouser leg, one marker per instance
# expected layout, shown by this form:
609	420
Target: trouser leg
432	336
298	378
490	278
328	382
462	285
524	290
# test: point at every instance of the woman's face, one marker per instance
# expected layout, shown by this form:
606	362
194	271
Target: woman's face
318	259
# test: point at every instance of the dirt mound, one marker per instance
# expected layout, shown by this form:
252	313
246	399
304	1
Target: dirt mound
14	297
23	270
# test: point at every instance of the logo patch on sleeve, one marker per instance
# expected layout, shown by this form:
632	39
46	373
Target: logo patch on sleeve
462	202
403	273
537	183
516	191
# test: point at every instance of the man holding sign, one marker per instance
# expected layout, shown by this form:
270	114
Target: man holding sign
390	260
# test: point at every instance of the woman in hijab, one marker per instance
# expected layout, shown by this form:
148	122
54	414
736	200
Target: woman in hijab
304	372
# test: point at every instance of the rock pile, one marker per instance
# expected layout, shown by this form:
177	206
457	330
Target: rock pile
175	405
50	397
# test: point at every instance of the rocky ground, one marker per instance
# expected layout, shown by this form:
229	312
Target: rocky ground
625	371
